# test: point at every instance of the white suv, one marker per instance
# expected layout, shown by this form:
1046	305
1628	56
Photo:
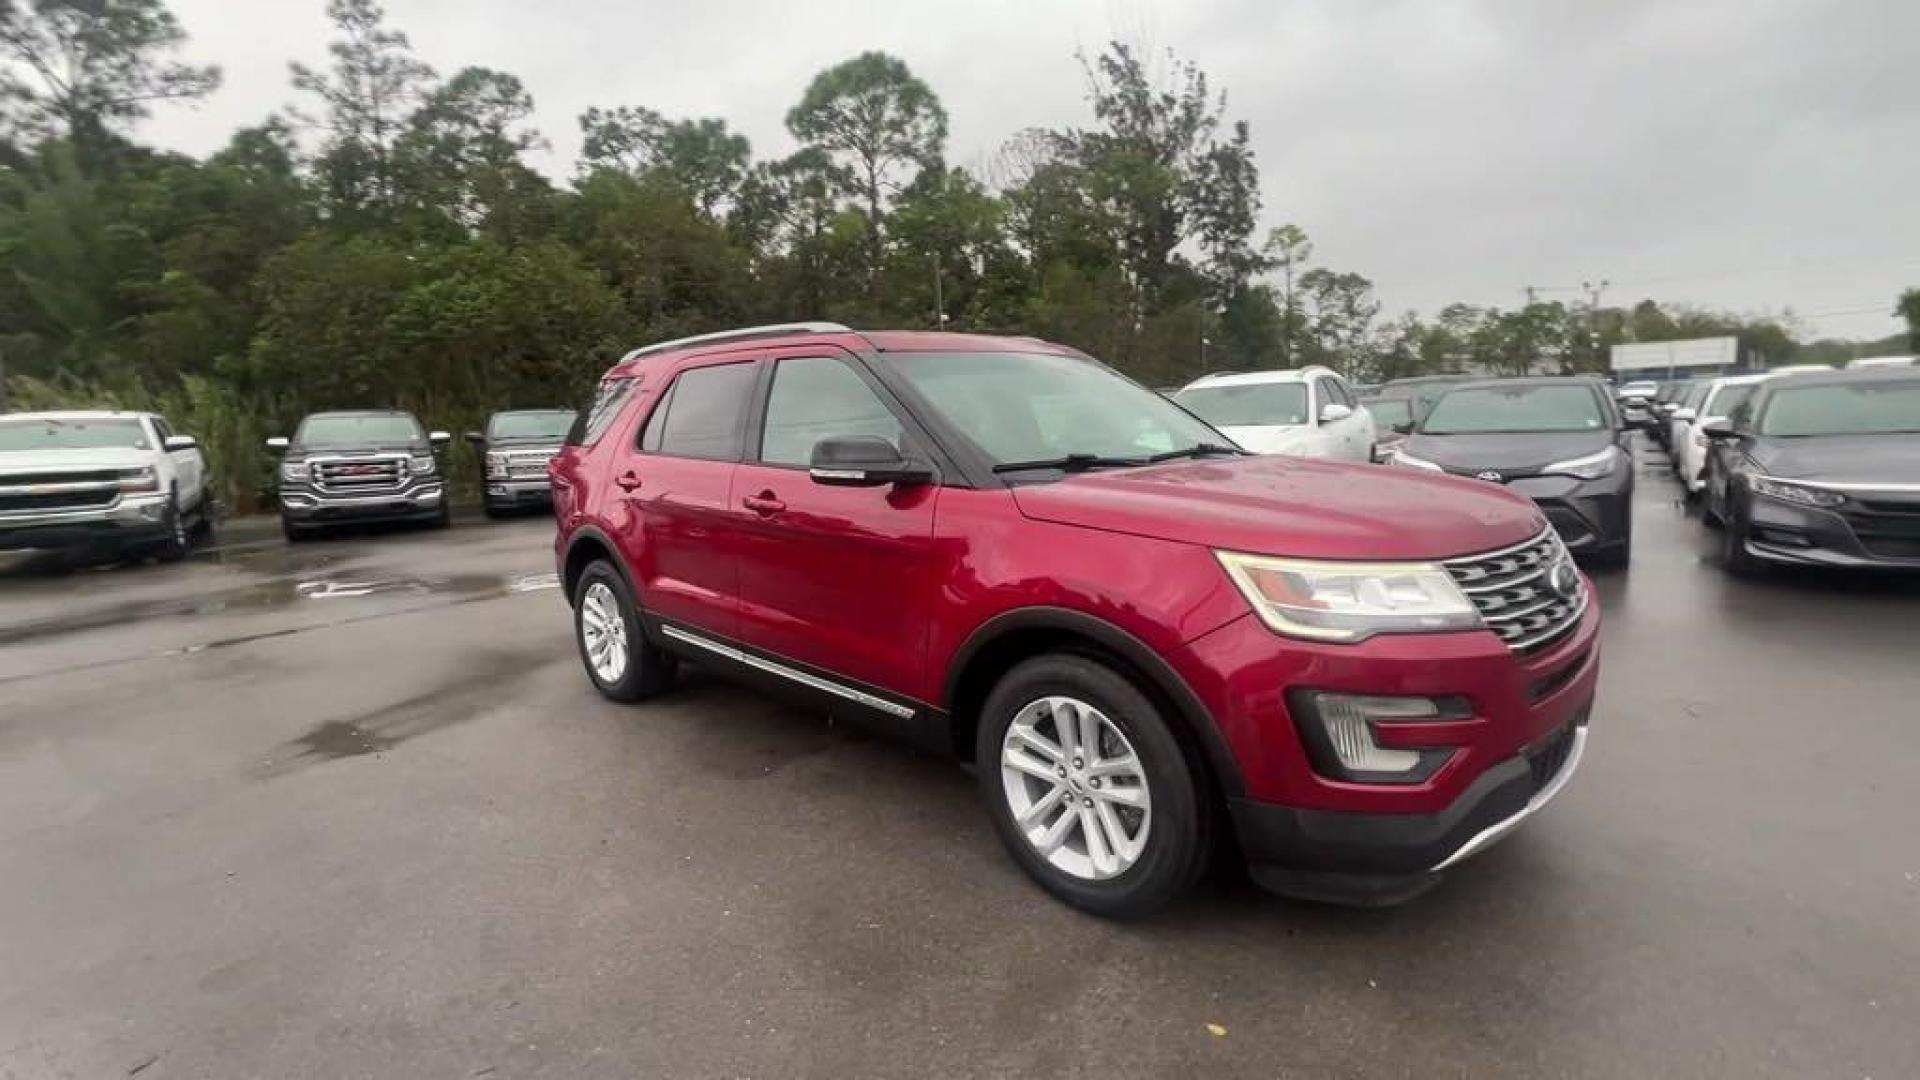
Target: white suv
1307	412
1688	441
120	481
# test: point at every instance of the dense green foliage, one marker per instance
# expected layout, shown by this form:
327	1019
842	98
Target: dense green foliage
388	244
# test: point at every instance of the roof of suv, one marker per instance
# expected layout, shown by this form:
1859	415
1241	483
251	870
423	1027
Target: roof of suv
1278	375
786	334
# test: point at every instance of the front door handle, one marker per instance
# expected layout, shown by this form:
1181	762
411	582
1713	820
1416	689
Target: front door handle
628	480
765	504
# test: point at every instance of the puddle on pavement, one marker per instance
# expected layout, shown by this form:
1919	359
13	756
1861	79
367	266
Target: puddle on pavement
278	594
338	739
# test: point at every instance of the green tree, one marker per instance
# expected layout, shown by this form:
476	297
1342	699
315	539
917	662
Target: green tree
1908	308
461	155
876	121
81	69
703	155
375	83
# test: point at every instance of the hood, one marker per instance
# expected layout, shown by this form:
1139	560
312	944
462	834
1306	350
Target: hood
417	449
529	442
1270	438
1519	453
105	457
1841	459
1303	507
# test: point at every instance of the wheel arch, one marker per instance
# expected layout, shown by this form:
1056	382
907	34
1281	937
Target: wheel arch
1003	641
587	544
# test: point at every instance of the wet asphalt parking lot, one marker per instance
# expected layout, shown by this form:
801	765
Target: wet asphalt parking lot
352	809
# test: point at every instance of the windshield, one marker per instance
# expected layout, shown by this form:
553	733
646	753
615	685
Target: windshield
1491	409
1270	404
47	433
1020	407
1864	408
546	424
1390	411
347	429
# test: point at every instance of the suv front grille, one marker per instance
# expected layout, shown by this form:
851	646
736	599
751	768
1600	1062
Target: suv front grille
1513	590
353	475
529	464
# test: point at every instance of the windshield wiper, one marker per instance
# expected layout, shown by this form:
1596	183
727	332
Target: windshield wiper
1072	463
1205	449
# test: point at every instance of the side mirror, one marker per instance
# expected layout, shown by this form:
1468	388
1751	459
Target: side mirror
1684	413
1717	428
438	438
476	438
1405	427
181	442
863	461
1333	412
278	442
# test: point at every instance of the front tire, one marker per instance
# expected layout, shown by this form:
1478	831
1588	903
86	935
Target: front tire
1089	788
1733	549
623	665
174	546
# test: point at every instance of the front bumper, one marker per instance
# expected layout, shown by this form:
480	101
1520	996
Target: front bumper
130	520
504	494
1590	515
1786	533
307	505
1306	834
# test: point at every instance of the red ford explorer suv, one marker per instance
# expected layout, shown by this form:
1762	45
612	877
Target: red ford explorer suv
1139	637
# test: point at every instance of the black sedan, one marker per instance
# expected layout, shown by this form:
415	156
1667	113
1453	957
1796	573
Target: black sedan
1559	441
1820	470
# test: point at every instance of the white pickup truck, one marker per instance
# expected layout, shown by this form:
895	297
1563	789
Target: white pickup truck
115	483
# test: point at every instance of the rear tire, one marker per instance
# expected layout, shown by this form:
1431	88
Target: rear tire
622	663
1162	818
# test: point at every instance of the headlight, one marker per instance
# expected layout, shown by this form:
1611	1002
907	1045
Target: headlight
1795	493
496	466
1330	601
293	472
1591	467
1401	457
137	480
421	466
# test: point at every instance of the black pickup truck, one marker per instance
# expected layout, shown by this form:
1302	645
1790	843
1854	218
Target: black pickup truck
514	451
345	468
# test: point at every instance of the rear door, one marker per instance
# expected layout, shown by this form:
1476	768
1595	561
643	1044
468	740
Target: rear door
672	484
840	579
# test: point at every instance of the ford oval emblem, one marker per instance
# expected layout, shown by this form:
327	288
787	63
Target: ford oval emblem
1490	476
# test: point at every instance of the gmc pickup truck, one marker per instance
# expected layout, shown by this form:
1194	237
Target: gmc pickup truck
101	483
358	467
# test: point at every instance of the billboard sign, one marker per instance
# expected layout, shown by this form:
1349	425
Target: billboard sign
1693	353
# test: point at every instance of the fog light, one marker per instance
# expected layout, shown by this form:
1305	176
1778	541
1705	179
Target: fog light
1340	739
1785	537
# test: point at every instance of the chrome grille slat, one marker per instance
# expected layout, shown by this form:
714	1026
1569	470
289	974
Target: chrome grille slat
1502	586
359	474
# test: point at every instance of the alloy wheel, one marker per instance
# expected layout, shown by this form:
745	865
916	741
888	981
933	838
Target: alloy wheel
1076	788
603	632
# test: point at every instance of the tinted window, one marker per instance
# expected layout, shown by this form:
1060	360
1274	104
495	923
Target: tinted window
705	416
161	431
49	433
1862	408
1247	404
349	429
1391	411
814	397
1029	406
1727	399
591	423
1341	393
1515	409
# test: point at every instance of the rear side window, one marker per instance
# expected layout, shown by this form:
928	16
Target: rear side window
592	421
704	414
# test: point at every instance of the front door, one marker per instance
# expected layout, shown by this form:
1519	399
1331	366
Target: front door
673	484
837	578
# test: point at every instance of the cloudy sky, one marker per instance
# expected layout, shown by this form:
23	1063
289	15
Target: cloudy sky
1752	154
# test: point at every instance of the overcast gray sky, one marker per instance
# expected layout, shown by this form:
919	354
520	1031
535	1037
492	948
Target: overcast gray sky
1751	154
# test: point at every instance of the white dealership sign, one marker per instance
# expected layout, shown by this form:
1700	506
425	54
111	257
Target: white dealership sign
1711	352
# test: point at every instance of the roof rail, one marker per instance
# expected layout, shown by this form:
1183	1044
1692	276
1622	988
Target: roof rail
742	334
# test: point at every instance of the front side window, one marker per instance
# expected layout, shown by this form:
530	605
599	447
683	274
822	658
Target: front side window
1727	400
50	433
1862	408
1022	407
1272	404
816	397
1391	411
1515	409
704	415
324	430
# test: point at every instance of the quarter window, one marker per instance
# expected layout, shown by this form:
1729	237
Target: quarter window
593	420
817	397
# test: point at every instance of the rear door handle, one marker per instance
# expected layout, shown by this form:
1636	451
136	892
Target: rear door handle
628	480
764	504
